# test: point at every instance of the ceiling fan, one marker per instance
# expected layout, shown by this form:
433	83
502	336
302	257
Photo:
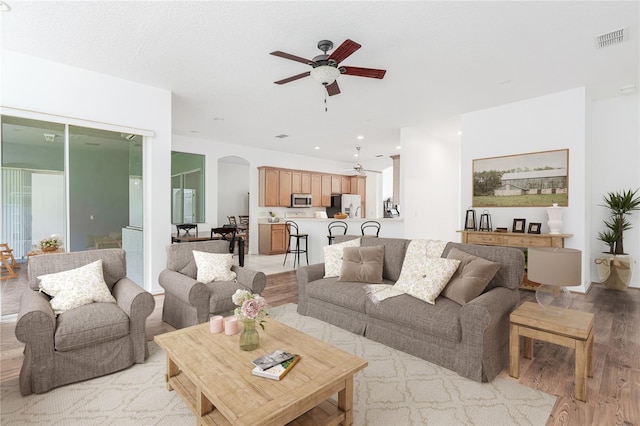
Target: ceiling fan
326	69
359	168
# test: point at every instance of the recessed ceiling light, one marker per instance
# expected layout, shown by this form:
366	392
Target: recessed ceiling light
218	119
4	7
317	147
398	147
460	133
360	137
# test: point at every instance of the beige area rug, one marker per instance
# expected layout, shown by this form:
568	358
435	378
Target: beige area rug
395	389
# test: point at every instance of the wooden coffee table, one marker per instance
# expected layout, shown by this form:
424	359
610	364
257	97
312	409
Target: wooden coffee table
213	376
566	327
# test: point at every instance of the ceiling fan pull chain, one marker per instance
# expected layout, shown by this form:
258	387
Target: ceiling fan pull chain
325	101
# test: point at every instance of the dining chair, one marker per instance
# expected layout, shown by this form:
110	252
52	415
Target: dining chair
186	228
227	233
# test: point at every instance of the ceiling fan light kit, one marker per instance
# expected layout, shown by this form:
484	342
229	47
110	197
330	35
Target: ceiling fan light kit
325	74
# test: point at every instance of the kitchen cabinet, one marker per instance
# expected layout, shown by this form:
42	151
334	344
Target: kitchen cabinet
316	190
326	191
345	184
336	185
284	188
272	238
276	186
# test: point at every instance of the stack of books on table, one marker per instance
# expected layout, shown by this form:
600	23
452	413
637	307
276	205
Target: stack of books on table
274	365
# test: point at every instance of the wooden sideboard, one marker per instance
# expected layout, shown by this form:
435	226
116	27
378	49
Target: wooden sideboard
515	239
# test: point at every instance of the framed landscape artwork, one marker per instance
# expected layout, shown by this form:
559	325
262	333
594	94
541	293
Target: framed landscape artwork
537	179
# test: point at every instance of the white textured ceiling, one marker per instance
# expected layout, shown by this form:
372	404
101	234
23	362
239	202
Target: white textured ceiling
442	59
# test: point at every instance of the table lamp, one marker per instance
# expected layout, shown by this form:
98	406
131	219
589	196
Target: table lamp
554	269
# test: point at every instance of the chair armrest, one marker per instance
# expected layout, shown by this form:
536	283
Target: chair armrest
36	321
184	288
488	309
135	301
254	281
138	304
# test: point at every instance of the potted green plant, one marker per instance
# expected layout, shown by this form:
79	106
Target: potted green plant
614	268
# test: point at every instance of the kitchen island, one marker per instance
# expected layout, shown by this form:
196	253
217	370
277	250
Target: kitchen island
318	232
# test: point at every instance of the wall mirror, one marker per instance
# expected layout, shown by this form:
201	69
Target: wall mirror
187	188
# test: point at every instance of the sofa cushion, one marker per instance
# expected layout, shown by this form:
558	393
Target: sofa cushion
76	287
394	251
333	257
362	264
350	295
213	266
441	319
436	273
180	255
471	278
90	324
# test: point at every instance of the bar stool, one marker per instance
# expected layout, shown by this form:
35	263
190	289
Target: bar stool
370	224
292	230
337	225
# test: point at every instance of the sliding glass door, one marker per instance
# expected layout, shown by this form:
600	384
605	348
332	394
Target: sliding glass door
97	191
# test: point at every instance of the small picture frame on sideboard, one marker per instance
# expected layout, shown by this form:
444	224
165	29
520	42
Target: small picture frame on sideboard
518	225
534	228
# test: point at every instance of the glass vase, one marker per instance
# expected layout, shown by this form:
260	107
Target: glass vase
249	338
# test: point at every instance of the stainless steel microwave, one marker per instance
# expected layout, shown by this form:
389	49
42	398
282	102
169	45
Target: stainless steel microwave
300	200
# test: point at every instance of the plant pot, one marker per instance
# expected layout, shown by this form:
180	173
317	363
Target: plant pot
48	248
614	270
249	338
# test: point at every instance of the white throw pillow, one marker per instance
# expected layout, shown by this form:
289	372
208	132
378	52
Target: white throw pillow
213	266
76	287
333	257
436	273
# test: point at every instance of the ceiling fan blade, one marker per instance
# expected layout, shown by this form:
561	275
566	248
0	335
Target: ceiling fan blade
364	72
293	78
343	51
292	57
333	89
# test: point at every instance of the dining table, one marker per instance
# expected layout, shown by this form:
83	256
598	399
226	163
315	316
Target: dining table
208	236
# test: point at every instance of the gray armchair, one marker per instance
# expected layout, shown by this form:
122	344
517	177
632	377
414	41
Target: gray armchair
188	302
89	341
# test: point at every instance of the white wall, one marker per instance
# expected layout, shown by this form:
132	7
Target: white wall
614	160
45	90
429	186
233	189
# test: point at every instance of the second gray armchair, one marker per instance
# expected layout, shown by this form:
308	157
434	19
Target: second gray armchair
189	302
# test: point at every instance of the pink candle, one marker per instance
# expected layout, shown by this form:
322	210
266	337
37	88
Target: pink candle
230	326
215	324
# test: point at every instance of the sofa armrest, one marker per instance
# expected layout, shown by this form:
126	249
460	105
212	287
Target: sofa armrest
254	281
488	309
184	288
36	322
305	275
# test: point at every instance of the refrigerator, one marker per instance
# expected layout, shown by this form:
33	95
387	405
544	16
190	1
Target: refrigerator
352	205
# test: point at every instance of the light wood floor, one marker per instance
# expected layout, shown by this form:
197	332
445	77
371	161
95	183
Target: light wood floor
613	394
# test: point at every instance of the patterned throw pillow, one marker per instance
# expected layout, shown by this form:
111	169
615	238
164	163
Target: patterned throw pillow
435	274
76	287
333	257
213	266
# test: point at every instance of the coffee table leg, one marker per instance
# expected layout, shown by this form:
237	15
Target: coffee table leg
514	351
345	401
582	360
172	370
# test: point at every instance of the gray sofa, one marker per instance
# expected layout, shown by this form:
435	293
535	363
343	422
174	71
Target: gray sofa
189	302
88	341
470	339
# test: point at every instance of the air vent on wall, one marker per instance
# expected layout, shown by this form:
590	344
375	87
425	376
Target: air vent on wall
611	38
282	136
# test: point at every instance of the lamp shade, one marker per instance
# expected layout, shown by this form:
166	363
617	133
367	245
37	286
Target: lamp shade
325	74
555	266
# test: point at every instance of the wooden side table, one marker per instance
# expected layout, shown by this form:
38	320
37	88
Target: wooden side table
565	327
